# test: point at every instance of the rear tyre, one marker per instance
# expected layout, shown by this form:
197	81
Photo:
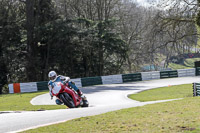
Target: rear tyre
67	100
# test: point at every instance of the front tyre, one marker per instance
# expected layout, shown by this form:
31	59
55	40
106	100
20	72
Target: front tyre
67	100
85	102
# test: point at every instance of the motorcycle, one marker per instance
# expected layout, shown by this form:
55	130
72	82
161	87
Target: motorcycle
68	95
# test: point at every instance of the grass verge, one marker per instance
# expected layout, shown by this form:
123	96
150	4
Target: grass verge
188	63
170	92
175	116
175	66
21	102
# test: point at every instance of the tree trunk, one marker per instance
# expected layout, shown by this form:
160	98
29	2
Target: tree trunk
3	71
46	63
31	45
101	59
129	65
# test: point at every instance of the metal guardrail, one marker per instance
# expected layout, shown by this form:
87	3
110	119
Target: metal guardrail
110	79
197	71
168	74
42	85
150	75
196	89
132	77
91	81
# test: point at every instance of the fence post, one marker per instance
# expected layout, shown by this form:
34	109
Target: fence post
194	90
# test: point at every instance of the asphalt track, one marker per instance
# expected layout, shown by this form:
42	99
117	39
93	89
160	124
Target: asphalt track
102	99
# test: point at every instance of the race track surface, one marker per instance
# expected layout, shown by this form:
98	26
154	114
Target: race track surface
102	99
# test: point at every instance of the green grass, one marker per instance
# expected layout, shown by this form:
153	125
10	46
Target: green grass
21	102
169	117
175	66
175	116
188	63
171	92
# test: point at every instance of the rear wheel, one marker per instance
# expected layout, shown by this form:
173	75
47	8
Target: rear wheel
67	100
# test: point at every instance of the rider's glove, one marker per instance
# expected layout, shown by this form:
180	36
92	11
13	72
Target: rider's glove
51	97
65	82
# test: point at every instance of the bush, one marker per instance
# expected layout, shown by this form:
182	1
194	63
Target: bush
5	89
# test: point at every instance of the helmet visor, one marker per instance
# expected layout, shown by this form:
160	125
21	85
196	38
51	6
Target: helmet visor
52	78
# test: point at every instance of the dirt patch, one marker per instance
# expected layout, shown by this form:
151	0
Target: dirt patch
184	128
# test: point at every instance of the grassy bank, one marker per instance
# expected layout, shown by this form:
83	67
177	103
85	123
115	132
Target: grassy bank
21	102
170	92
188	63
175	116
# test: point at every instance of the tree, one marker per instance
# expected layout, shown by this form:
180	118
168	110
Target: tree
198	14
38	13
178	25
11	48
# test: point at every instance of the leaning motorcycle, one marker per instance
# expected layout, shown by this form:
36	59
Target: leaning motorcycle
68	95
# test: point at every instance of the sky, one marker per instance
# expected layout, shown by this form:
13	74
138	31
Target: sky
145	2
140	1
149	2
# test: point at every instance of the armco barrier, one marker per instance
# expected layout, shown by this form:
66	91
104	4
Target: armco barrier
34	86
168	74
22	87
186	72
91	81
42	85
196	89
77	82
150	75
132	77
197	71
110	79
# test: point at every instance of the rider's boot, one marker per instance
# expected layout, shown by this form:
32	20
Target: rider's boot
58	102
79	92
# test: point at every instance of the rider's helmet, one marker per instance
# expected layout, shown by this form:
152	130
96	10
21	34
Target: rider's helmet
52	75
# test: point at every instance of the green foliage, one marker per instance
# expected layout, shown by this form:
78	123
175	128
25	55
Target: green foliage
5	89
79	44
75	47
11	51
198	15
3	78
198	19
36	38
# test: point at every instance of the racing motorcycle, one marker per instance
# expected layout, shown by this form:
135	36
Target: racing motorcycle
68	95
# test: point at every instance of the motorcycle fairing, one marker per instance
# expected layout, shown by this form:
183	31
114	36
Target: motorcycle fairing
57	87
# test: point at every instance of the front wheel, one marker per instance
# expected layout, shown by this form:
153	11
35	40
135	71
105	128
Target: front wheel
67	100
85	102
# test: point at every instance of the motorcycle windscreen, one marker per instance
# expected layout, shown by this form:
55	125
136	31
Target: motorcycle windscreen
56	88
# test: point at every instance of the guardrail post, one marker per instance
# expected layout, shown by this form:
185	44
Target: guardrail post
194	90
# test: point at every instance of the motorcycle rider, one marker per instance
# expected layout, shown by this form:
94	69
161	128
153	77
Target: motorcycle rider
59	78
